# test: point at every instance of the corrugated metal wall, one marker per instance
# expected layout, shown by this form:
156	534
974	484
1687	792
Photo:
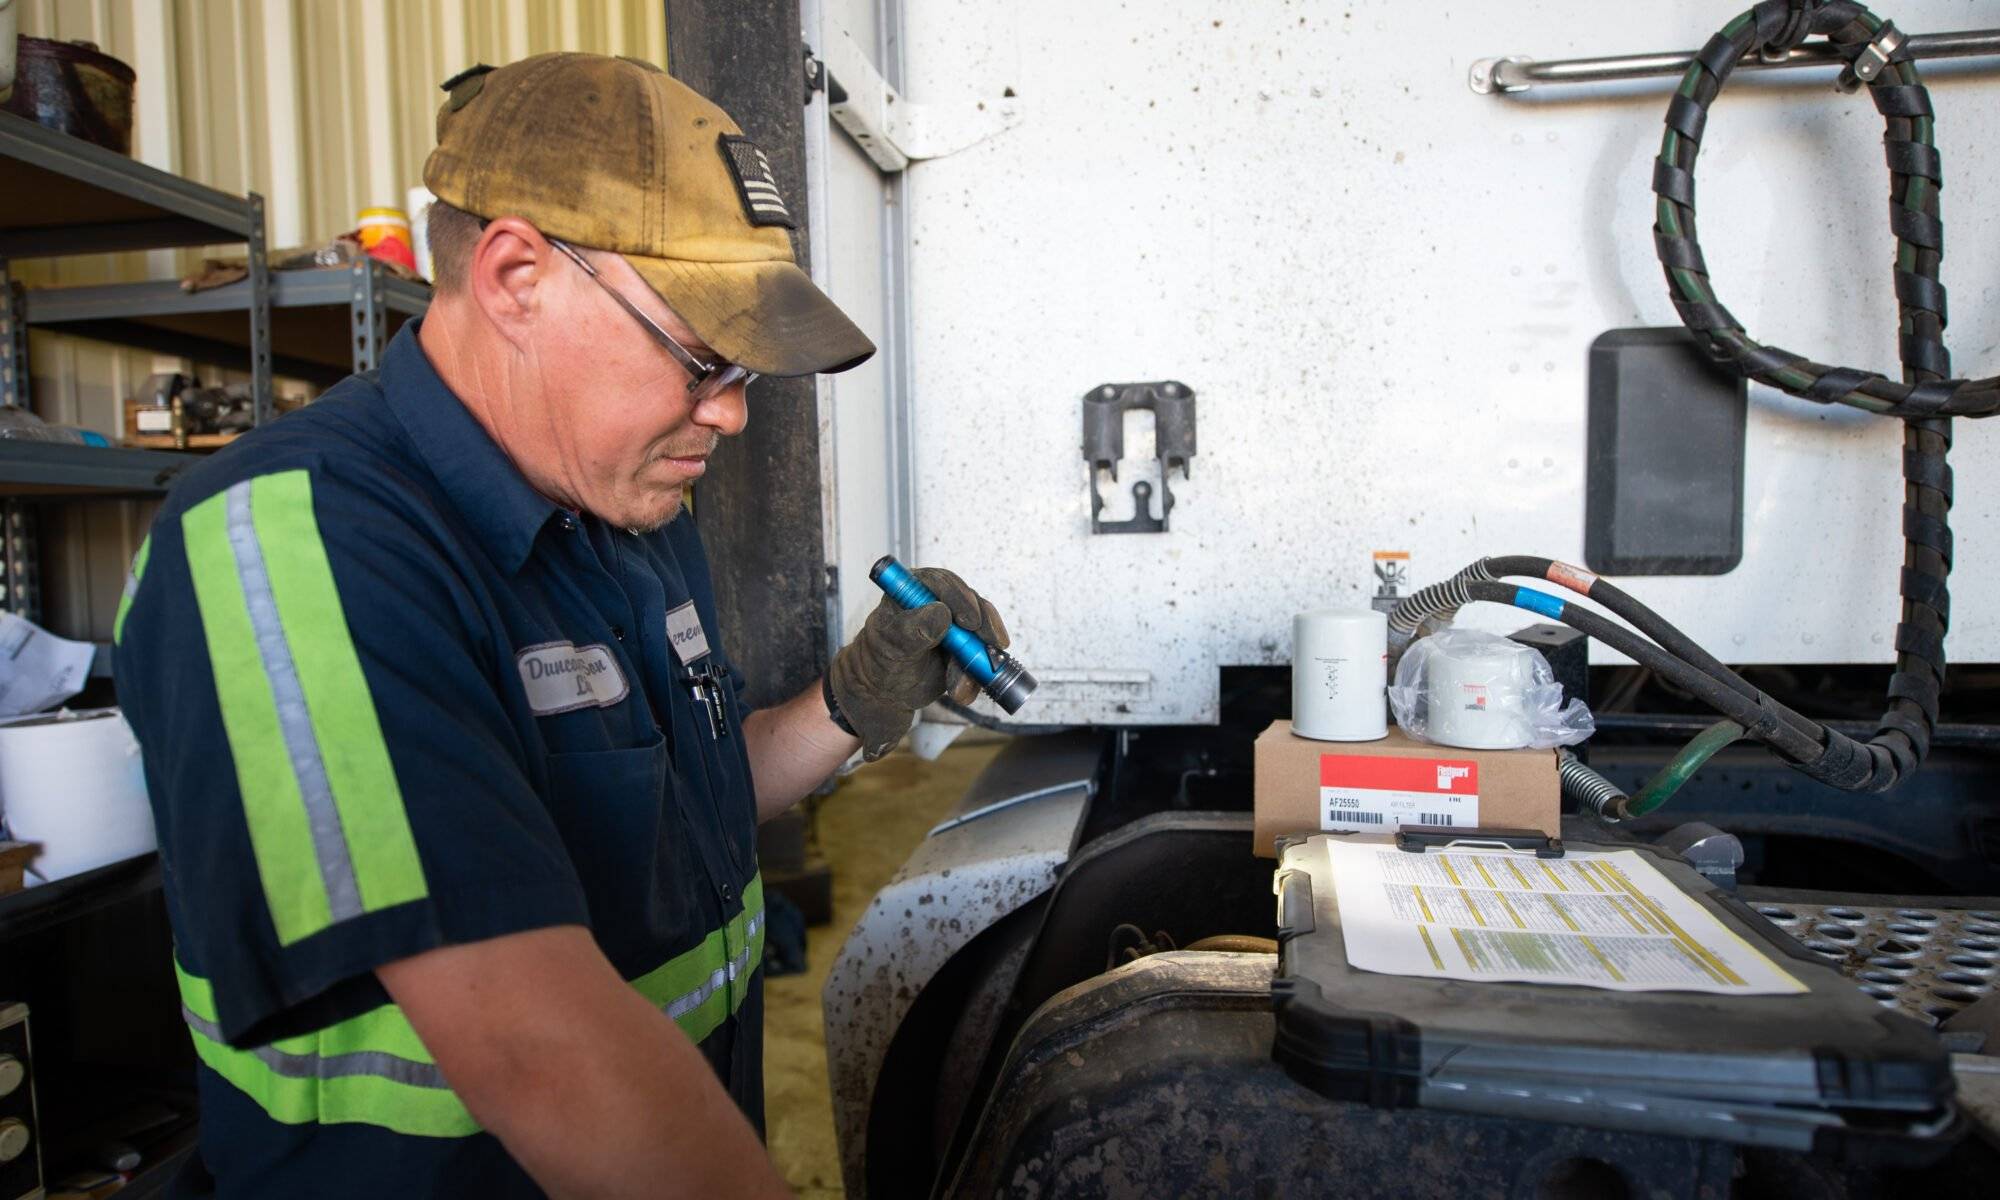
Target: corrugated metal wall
324	107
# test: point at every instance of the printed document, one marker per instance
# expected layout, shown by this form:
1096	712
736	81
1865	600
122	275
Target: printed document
1595	918
38	670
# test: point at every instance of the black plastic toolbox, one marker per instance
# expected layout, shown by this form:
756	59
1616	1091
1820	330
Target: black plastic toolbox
1827	1070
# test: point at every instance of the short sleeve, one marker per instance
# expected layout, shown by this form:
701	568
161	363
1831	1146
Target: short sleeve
334	775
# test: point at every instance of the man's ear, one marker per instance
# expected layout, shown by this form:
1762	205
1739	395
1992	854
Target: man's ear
507	274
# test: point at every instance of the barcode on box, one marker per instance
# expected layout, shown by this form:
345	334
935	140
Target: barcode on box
1379	793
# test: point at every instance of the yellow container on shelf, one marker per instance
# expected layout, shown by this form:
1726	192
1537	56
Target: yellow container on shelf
385	234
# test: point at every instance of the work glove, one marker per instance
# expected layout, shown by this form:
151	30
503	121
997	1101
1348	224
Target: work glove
894	666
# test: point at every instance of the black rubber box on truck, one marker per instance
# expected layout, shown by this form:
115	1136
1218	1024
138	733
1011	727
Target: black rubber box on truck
1825	1071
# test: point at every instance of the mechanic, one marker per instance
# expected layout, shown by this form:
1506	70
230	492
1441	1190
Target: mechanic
456	798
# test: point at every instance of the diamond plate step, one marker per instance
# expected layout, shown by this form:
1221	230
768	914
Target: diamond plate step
1930	962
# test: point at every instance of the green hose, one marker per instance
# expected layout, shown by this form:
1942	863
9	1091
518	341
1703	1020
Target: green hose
1669	779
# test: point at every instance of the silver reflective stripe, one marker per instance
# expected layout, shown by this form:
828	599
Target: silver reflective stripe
378	1063
131	588
734	970
336	869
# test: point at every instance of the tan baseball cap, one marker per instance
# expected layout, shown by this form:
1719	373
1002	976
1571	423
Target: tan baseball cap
615	154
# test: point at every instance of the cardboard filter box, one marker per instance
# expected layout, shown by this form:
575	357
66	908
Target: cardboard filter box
1306	786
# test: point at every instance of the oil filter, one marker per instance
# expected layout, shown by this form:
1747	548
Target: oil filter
1478	694
1340	663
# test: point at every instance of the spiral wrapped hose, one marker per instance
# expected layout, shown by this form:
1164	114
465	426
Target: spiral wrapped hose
1925	398
1588	790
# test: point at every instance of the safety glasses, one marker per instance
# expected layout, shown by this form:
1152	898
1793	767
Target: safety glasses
705	380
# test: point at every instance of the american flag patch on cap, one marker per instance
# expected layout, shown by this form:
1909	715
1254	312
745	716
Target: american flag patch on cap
754	183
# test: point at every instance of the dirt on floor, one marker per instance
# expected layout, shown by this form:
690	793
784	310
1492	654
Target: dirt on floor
865	830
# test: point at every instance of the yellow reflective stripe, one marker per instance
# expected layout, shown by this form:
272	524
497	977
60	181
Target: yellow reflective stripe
281	835
132	578
703	987
371	1069
320	797
389	1033
346	730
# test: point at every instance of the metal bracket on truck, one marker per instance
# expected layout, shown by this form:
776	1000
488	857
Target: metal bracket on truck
1104	409
890	129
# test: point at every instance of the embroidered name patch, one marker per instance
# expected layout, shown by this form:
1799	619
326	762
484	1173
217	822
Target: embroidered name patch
755	184
561	677
686	636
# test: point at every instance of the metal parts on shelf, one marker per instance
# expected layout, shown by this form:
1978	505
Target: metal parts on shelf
1104	409
78	198
67	196
1516	73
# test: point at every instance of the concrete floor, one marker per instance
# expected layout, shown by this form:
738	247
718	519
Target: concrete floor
866	829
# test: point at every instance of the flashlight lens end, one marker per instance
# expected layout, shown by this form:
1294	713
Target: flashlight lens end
1012	690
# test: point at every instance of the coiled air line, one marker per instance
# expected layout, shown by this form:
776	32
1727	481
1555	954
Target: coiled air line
1925	400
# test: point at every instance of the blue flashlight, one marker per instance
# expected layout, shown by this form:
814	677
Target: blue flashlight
996	672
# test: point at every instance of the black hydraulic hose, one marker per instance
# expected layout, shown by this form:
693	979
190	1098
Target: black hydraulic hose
1443	599
1622	603
1808	745
1765	718
1642	618
1926	398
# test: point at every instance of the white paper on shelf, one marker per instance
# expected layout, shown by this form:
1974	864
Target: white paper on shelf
38	670
1594	918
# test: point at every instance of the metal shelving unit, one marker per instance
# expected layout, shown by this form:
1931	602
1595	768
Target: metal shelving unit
76	198
66	196
324	323
32	473
58	469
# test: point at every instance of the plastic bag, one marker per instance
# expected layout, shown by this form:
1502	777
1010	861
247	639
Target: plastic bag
23	425
1481	691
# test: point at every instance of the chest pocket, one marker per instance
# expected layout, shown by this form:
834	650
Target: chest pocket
640	876
710	763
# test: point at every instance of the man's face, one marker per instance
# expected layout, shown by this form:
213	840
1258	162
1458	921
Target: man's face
626	433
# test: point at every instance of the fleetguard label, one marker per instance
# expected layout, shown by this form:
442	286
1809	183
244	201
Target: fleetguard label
1362	792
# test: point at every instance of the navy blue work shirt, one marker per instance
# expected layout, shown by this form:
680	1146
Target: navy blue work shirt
391	698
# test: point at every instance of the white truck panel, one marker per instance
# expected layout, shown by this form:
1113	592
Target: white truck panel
1382	288
853	262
